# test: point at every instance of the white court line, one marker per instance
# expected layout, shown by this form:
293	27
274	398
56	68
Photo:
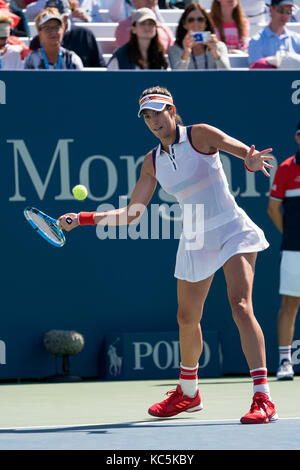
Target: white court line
133	424
165	421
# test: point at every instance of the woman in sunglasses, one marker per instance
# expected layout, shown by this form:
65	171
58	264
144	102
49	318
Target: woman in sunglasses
197	51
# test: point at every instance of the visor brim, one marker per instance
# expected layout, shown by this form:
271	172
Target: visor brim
152	105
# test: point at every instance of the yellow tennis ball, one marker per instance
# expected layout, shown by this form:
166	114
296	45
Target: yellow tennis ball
80	192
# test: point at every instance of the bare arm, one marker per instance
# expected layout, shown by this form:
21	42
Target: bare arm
209	139
275	213
140	198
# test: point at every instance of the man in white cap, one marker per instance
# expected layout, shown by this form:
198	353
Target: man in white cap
275	36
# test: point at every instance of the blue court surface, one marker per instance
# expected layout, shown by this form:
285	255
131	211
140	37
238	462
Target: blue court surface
157	435
113	416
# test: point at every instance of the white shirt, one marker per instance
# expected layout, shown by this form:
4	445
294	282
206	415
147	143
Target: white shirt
195	178
11	60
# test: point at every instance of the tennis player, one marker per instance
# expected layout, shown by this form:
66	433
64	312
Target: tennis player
187	164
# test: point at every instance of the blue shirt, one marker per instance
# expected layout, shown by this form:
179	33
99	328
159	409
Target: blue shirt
266	44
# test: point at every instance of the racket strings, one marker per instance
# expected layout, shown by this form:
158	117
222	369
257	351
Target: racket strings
47	227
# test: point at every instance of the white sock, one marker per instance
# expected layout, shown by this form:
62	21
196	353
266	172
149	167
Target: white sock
188	380
260	380
285	353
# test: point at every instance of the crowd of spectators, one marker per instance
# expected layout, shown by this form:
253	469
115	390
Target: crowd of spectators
205	38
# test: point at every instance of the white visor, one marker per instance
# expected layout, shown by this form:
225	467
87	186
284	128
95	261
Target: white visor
155	102
47	18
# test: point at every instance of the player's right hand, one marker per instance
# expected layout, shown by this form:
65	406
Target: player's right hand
64	221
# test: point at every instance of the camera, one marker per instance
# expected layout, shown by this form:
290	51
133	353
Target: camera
201	37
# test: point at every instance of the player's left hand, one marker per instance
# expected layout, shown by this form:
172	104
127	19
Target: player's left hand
255	161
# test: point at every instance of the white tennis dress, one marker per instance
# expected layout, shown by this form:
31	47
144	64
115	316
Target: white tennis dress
215	228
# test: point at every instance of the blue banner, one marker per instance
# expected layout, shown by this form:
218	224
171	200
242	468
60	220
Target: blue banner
156	355
64	128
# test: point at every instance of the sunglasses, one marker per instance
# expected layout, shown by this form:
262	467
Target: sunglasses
49	29
284	11
200	19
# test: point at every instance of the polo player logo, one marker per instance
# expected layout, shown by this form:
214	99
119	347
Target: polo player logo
115	361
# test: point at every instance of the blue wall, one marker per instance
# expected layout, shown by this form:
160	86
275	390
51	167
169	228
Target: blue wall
99	286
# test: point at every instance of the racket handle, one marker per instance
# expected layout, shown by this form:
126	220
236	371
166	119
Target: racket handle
69	220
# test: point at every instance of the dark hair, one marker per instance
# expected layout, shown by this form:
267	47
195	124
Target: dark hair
158	90
237	15
155	53
181	31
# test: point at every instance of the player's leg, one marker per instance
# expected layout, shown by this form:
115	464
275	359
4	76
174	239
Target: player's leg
186	397
286	326
191	298
239	273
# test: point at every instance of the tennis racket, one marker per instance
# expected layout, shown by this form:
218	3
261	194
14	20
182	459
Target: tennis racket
46	226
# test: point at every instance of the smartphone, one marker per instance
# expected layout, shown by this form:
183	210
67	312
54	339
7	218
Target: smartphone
201	37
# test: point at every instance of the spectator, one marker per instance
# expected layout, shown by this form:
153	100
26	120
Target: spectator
10	56
51	55
86	10
256	11
188	54
285	194
14	40
22	28
80	40
275	37
231	25
164	33
143	50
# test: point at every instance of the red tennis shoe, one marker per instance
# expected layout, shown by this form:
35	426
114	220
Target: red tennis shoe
176	403
262	410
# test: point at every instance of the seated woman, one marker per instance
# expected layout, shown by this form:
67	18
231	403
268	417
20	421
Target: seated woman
231	25
51	55
187	53
143	50
10	56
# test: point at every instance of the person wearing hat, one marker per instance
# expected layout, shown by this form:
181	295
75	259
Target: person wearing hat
50	54
285	194
186	162
10	55
123	29
144	49
275	37
76	38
